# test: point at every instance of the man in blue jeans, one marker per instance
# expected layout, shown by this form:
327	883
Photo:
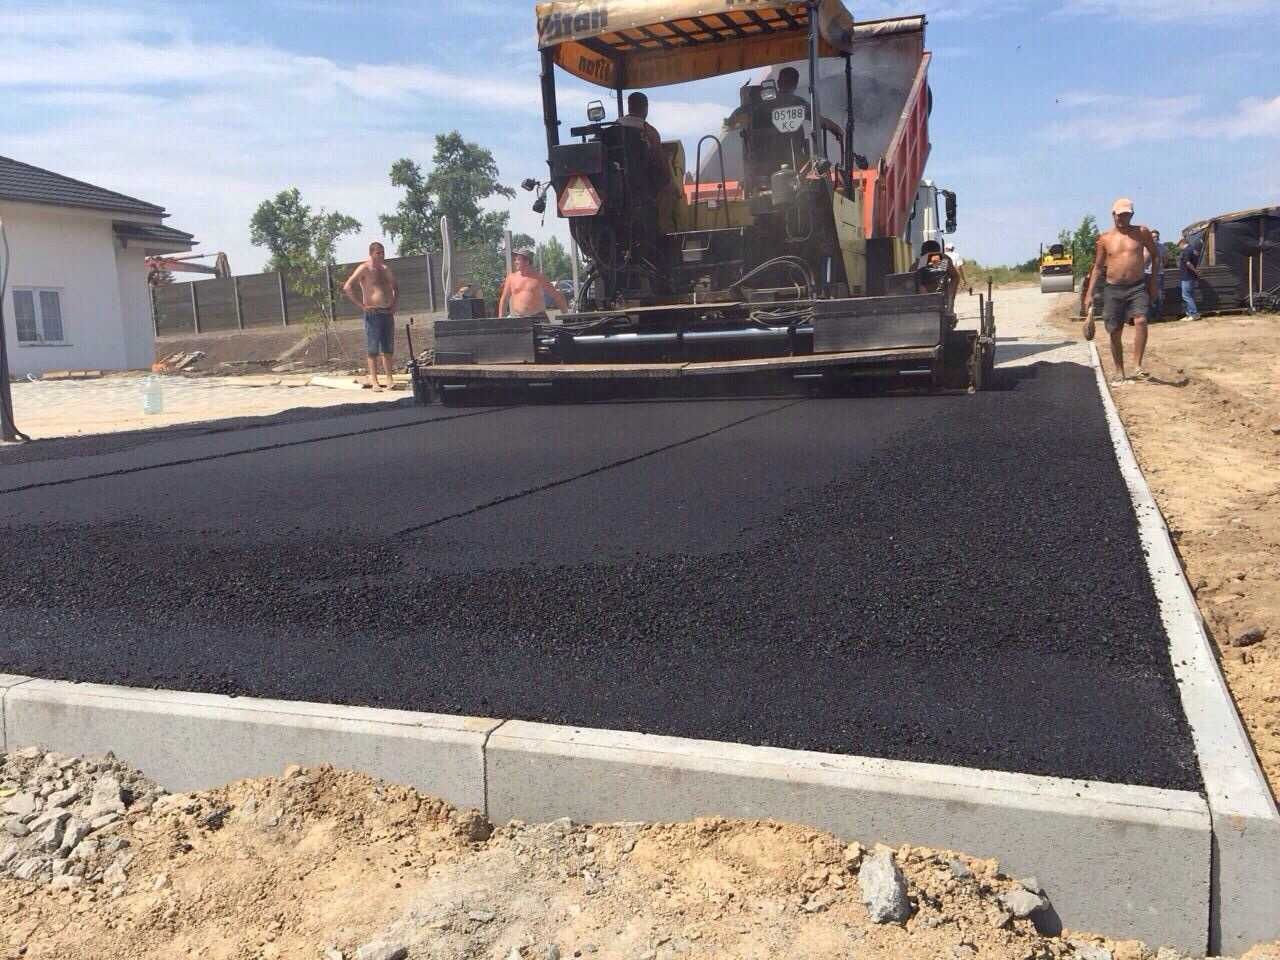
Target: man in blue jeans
379	296
1188	274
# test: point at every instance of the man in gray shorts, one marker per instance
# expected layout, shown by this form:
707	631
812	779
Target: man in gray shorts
1120	260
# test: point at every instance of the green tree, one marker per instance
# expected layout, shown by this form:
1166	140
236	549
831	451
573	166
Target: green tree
1084	244
555	260
462	175
302	243
298	237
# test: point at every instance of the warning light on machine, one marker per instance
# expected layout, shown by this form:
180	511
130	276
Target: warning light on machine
579	198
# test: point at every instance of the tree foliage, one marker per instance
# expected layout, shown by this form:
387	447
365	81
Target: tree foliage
302	243
1083	244
462	175
299	238
555	260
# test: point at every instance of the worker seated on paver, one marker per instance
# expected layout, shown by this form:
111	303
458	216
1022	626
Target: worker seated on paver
637	118
936	273
773	127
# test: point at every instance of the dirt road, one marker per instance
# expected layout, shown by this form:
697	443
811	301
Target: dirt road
1207	433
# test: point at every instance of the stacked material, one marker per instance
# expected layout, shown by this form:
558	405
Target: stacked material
1217	290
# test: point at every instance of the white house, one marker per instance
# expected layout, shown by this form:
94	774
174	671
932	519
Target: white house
77	295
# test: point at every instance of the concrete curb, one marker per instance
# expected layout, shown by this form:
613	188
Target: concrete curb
1245	905
1095	846
188	741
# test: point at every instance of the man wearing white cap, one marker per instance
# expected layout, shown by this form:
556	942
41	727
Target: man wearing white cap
1120	259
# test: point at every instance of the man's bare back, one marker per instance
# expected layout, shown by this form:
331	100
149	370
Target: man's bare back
377	286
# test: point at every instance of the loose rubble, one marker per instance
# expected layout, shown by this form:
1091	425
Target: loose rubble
325	864
884	889
64	815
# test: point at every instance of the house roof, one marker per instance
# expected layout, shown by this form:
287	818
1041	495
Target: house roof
27	184
155	237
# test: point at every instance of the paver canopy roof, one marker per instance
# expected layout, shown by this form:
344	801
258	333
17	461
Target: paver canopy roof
649	43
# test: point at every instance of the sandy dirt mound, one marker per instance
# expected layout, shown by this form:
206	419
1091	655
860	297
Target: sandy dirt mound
324	864
1207	434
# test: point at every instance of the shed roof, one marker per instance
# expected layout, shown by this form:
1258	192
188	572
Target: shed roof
25	183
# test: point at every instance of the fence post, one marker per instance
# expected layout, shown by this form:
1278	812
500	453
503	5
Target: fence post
328	285
195	306
235	299
284	305
431	283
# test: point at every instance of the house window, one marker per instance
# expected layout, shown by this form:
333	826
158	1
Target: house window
38	316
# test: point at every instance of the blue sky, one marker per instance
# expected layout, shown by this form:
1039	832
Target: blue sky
1043	111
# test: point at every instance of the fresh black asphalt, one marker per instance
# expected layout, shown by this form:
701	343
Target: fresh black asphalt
950	579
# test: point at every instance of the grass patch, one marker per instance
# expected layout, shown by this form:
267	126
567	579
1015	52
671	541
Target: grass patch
977	274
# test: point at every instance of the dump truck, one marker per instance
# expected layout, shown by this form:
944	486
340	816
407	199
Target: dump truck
1057	270
797	268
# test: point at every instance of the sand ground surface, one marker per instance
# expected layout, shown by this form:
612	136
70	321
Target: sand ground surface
321	864
1206	431
73	408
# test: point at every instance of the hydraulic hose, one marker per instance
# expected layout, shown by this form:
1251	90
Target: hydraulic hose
794	263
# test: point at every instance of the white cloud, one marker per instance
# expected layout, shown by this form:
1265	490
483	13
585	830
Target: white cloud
66	21
1163	11
209	129
1254	117
938	11
1115	121
1111	121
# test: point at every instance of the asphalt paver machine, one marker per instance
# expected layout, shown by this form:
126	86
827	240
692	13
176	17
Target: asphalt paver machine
797	268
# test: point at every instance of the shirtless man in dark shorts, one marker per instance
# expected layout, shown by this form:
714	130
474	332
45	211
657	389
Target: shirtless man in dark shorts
379	296
1119	260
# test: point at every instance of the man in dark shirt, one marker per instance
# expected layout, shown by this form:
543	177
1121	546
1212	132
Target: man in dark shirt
1188	274
638	118
772	113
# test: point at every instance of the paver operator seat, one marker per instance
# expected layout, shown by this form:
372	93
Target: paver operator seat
773	134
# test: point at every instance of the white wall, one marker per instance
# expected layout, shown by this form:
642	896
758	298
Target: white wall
135	307
75	253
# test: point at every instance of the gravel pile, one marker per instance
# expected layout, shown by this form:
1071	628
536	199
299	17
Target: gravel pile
63	817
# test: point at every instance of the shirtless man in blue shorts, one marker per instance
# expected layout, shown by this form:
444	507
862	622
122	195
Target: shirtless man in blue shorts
379	296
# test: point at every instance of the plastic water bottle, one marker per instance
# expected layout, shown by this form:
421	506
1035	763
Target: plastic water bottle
152	397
